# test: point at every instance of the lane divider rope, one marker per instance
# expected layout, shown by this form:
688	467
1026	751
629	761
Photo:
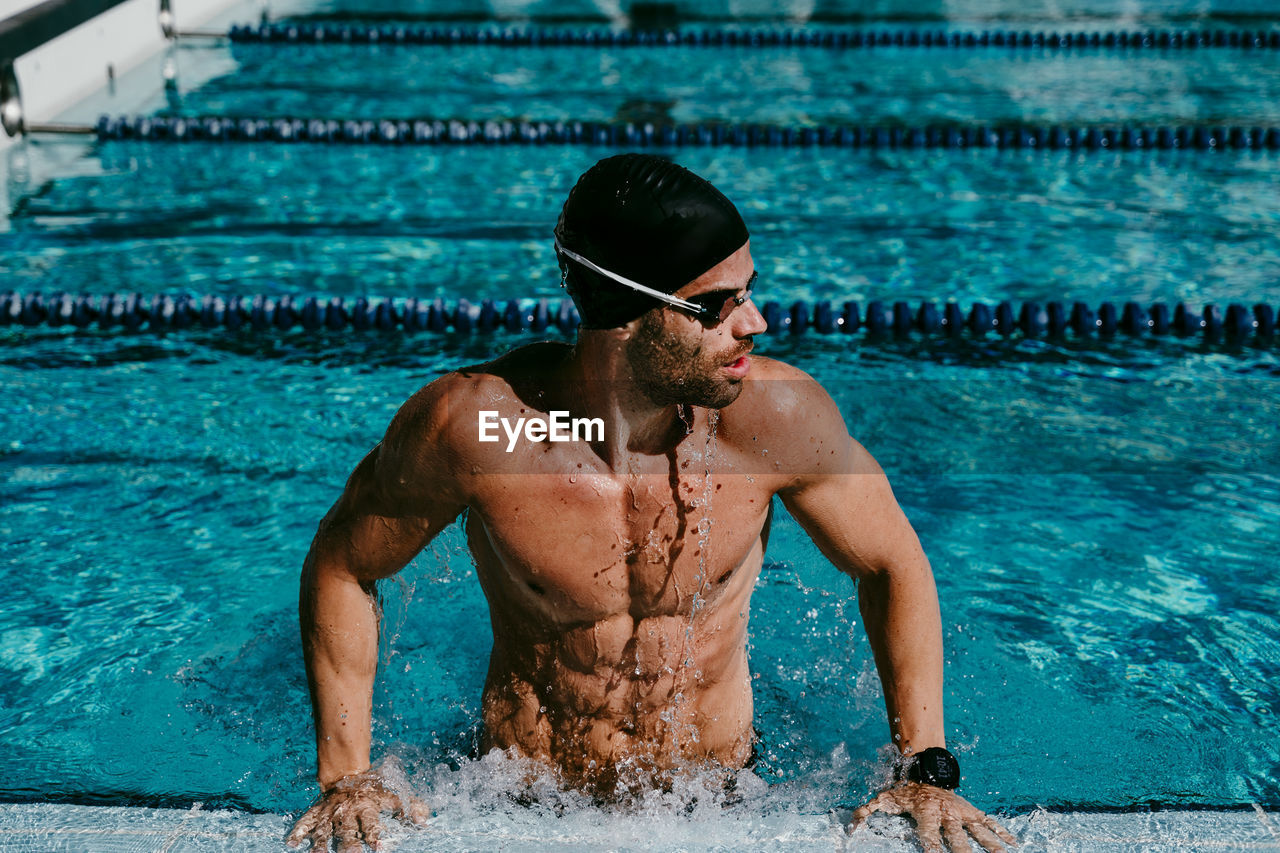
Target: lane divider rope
351	33
428	131
132	312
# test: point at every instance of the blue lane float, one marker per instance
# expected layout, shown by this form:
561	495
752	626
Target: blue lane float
132	312
304	32
446	132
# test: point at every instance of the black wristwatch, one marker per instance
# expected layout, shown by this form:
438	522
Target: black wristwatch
933	766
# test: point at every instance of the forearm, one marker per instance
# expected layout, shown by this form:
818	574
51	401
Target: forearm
900	611
339	618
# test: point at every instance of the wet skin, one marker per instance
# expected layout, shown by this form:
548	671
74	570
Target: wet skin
618	572
618	599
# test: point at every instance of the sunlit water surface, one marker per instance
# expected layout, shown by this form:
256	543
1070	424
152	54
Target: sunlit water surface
1102	518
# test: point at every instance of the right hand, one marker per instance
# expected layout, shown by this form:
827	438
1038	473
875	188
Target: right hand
939	814
351	813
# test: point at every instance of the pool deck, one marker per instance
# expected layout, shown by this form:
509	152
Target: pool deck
52	828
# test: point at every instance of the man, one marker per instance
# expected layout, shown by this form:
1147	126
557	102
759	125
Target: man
618	567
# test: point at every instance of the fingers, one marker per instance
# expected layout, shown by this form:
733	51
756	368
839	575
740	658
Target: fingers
350	844
414	811
370	826
321	834
887	802
994	825
953	831
353	818
304	826
346	828
988	839
985	829
929	814
860	814
943	819
928	831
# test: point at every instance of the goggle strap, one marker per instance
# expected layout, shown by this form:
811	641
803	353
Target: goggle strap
626	282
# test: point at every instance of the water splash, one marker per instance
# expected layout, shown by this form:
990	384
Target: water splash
509	802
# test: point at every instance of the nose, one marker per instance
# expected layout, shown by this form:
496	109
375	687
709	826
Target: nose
747	320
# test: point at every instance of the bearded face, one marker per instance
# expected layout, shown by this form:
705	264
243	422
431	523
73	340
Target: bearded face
674	367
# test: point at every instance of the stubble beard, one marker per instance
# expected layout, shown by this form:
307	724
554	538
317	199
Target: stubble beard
670	370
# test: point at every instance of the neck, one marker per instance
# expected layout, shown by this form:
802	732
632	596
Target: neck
598	379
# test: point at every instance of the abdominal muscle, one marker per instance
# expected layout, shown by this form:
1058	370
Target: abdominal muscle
622	701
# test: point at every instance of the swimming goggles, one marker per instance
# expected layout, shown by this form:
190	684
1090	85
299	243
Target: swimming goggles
708	307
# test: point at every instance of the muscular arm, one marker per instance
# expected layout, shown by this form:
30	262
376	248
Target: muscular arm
398	498
856	522
841	497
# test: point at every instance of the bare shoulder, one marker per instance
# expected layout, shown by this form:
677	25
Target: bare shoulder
431	417
779	398
435	430
787	418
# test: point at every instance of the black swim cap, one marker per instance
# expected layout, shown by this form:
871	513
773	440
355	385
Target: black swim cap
648	220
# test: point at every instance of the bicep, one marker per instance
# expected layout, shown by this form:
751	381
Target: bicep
850	512
395	502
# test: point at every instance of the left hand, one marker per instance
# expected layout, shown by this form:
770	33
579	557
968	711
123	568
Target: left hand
939	814
350	813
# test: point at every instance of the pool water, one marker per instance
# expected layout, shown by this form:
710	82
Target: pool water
1102	517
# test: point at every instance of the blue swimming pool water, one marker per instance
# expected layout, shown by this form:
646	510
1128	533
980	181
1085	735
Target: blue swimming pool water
1102	539
1102	519
966	225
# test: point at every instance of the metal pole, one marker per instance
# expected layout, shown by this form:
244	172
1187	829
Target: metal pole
10	100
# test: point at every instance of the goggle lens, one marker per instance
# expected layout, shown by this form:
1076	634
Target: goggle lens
716	305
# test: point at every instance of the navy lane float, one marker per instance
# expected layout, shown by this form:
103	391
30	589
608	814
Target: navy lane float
434	131
304	32
874	319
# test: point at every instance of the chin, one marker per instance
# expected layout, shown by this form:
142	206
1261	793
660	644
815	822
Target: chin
719	397
706	394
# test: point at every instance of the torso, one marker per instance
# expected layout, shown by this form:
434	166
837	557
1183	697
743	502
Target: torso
618	598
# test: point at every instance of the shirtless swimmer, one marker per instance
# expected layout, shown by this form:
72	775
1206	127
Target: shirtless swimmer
609	563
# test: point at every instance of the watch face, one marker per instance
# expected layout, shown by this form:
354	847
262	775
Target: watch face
934	766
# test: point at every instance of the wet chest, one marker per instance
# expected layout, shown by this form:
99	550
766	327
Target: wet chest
587	546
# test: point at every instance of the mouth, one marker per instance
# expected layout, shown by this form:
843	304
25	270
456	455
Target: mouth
739	366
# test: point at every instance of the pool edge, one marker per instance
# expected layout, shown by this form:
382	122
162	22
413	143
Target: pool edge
101	829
